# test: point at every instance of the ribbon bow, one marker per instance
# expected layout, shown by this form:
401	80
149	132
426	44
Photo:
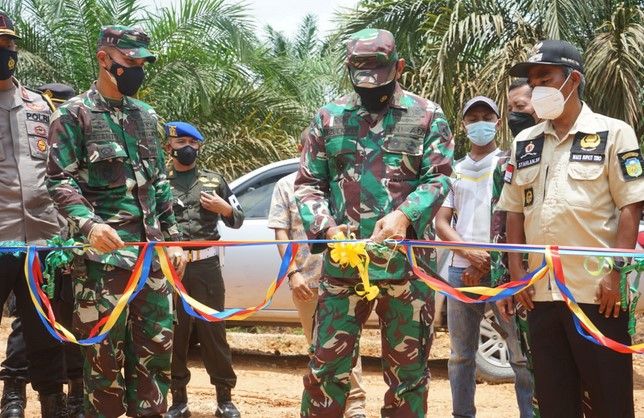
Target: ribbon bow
354	254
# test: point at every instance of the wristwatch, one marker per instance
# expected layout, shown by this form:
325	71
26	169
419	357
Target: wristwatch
292	272
619	263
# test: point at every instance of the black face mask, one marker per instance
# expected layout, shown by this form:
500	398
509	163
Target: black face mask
8	61
518	121
128	79
185	155
377	98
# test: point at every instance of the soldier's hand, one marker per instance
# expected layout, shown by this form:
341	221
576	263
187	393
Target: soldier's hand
104	238
345	229
214	203
178	258
608	295
301	289
506	308
392	226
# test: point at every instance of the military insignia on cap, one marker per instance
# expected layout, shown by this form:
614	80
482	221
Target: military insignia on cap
631	163
172	130
42	145
11	64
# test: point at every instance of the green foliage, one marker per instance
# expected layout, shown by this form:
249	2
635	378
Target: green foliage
248	97
460	48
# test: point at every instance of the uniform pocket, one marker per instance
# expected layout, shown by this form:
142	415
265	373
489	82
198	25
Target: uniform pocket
583	183
341	152
402	157
106	165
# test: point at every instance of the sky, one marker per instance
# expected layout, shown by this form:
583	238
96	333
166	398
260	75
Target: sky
286	15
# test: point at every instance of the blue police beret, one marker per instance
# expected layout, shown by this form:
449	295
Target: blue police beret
178	129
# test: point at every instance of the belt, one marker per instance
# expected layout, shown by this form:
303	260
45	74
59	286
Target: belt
205	253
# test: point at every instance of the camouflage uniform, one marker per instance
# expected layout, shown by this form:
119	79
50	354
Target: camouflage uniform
355	169
106	165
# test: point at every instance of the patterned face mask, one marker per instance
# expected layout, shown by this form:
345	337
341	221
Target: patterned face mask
8	61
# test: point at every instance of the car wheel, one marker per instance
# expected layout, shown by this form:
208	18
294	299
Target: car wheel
492	356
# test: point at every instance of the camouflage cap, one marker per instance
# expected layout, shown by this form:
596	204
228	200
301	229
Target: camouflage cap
6	26
132	42
371	57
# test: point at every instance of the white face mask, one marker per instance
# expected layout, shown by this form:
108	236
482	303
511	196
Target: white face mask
548	102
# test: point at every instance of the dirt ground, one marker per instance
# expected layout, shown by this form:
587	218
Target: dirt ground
270	369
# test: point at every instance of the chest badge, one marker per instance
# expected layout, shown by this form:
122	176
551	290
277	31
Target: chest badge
529	152
528	197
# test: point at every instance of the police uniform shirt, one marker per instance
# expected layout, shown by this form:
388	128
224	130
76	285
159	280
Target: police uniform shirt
27	213
571	192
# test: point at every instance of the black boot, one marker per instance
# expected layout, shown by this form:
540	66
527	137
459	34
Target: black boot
14	398
53	406
225	406
75	395
179	408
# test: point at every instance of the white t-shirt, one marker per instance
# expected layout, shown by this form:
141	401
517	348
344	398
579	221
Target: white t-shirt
470	196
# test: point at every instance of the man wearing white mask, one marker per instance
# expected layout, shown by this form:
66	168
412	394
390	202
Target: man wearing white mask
466	216
575	179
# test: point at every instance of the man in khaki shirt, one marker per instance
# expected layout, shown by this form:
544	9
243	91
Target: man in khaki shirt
575	179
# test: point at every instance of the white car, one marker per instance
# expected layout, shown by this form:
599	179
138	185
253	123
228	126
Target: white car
249	270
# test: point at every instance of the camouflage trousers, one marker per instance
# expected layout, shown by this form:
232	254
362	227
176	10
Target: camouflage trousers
129	372
405	309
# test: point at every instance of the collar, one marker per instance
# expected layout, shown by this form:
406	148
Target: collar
172	173
20	96
585	122
98	103
353	100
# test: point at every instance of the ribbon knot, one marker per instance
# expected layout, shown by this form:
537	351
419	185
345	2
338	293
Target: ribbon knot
354	254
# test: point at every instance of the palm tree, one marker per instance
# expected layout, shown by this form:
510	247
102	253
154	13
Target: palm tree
211	70
459	48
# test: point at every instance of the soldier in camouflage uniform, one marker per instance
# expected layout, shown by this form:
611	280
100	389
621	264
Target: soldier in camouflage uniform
106	173
201	198
376	162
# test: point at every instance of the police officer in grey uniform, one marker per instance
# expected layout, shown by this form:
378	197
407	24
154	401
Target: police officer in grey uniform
200	198
27	215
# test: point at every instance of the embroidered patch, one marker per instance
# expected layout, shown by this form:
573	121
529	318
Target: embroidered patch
509	173
589	148
529	152
631	163
528	197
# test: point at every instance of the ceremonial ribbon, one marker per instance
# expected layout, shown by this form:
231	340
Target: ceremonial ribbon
356	257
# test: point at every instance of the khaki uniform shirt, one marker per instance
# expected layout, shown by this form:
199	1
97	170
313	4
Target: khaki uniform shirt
285	215
571	192
27	213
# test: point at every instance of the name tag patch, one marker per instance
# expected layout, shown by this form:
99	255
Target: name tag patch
529	152
631	163
589	148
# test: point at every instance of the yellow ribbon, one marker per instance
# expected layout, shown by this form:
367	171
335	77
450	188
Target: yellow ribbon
354	254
